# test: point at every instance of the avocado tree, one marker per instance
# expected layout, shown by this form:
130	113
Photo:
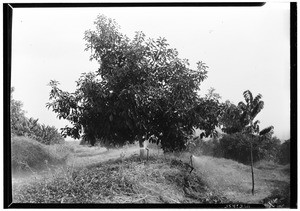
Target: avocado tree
141	88
231	119
210	110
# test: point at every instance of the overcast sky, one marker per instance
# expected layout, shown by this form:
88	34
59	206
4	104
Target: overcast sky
245	48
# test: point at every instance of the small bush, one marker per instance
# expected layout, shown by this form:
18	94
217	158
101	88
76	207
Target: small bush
237	147
280	198
285	152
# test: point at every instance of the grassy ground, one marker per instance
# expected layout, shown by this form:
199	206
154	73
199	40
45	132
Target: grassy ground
84	155
95	175
127	180
30	156
233	180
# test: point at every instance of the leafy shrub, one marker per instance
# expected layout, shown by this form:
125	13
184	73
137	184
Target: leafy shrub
17	116
40	132
284	153
268	148
279	198
237	147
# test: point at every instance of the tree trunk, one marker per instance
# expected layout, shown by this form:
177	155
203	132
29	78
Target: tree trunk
251	157
142	148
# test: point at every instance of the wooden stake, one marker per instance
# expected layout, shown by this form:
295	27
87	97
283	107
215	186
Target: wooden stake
191	164
147	153
191	160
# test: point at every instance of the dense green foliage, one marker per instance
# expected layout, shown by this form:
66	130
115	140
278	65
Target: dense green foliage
285	152
241	131
22	126
210	110
231	120
240	118
237	147
141	89
17	116
246	138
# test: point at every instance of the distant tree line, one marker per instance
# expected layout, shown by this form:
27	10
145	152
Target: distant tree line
29	127
236	147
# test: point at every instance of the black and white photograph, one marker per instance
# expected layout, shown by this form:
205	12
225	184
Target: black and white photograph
130	105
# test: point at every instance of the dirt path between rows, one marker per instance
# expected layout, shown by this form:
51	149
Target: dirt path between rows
83	156
79	159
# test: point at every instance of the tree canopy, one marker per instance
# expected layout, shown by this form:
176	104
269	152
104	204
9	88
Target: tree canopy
231	120
141	88
17	115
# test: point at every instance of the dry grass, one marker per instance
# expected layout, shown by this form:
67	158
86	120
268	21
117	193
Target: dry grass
264	164
95	175
124	180
86	156
30	156
233	179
